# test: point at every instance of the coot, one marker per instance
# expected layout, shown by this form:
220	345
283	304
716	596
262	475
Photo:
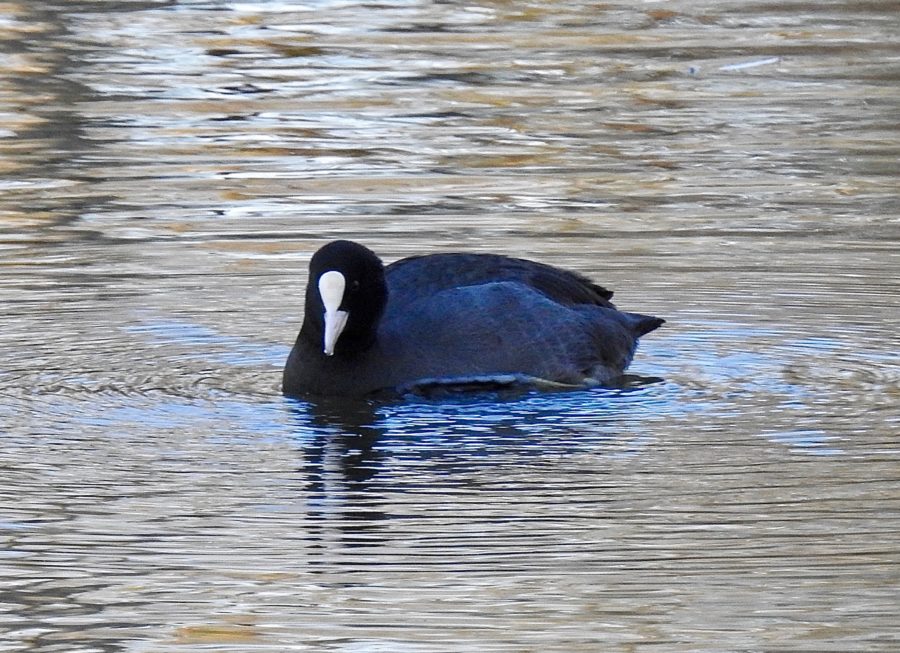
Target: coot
453	320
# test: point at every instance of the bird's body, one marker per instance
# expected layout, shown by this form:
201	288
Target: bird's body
455	319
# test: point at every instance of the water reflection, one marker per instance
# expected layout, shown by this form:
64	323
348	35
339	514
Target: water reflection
471	423
350	441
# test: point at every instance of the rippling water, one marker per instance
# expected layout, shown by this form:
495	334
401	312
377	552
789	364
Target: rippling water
167	170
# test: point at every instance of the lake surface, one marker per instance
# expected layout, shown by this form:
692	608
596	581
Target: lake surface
166	171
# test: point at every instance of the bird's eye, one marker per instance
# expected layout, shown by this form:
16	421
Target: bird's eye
354	286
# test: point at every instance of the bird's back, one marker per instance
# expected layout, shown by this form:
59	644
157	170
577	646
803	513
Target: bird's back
417	277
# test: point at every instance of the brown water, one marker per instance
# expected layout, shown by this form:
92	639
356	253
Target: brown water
167	170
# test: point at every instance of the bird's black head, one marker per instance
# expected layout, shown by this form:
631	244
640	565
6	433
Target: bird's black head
345	298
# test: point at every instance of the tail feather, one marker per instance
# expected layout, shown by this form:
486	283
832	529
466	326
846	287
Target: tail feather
644	324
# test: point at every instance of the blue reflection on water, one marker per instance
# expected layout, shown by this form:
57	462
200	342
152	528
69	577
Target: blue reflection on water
208	344
810	441
482	421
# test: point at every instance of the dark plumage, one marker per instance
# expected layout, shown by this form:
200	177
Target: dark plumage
454	319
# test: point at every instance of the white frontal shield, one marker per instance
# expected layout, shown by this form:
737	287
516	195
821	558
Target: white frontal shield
331	290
